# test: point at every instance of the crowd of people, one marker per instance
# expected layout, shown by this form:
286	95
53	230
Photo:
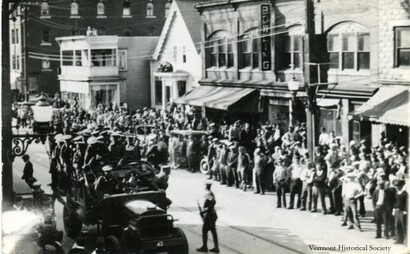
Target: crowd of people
247	156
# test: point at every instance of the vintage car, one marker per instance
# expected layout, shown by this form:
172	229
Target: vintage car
180	151
131	218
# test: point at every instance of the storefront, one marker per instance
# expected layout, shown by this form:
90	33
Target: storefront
169	86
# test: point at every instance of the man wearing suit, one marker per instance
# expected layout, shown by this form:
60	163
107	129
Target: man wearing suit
212	156
383	200
28	170
193	148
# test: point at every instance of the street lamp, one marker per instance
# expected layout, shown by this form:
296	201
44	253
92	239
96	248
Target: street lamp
293	86
42	112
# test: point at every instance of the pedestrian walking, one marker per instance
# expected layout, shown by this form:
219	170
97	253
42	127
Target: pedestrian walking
209	217
28	171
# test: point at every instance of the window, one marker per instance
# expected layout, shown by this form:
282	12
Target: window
45	64
158	92
293	51
167	8
250	50
122	60
74	9
18	63
44	9
45	36
13	36
100	8
349	51
68	57
402	46
184	54
17	35
14	62
126	8
150	9
181	85
103	57
77	55
220	50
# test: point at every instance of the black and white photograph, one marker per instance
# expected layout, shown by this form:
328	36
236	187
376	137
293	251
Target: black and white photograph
205	126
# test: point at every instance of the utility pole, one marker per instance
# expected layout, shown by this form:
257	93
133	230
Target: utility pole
25	50
309	76
7	167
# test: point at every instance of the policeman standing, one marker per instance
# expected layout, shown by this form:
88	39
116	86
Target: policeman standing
209	217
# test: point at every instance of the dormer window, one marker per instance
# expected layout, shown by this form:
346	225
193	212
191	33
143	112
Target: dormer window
100	8
167	8
44	9
150	9
126	9
74	9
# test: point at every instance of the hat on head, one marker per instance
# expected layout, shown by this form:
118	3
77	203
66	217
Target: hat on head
107	168
25	156
212	125
67	137
215	140
355	163
208	183
399	182
95	133
36	185
92	140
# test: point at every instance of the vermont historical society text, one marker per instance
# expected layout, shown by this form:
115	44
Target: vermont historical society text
342	247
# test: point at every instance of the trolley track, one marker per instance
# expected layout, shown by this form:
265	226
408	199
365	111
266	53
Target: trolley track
243	231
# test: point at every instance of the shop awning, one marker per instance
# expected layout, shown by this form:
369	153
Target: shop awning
327	103
390	105
223	98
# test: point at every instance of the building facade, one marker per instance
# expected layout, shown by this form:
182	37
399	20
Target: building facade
46	20
106	70
251	45
176	63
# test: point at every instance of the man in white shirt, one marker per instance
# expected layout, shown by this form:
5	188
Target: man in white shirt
324	138
352	190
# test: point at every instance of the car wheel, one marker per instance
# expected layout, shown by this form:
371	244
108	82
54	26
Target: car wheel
184	247
205	166
112	243
72	225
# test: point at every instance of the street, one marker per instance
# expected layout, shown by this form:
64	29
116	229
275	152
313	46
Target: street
247	223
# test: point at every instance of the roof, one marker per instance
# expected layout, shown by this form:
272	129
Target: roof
388	106
192	20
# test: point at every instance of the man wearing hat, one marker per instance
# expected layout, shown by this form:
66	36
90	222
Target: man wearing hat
193	150
209	217
212	154
280	179
28	170
351	191
117	150
400	211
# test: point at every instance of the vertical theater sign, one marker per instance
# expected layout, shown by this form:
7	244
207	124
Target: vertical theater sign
265	37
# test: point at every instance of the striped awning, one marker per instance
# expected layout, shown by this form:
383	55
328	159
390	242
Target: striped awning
390	105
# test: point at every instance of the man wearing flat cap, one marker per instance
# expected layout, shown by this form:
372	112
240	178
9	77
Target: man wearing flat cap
209	217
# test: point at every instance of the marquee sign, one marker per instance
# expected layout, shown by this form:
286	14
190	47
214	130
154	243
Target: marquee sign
265	37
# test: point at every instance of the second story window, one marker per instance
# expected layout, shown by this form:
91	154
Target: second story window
44	9
220	50
348	45
150	9
167	8
74	9
126	9
13	36
293	51
17	35
45	36
100	8
250	50
402	46
183	54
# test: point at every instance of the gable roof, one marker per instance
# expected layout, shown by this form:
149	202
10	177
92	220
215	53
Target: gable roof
192	20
